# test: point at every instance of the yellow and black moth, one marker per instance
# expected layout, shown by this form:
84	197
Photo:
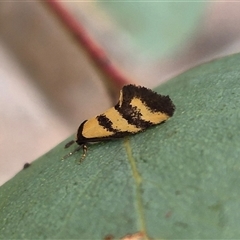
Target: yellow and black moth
137	109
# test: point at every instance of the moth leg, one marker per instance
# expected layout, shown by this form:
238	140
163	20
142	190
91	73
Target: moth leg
71	153
84	148
69	144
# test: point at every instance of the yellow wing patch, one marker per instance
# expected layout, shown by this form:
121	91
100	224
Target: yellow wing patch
119	123
92	129
147	113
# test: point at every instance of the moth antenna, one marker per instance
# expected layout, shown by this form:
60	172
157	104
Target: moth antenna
69	143
71	153
84	148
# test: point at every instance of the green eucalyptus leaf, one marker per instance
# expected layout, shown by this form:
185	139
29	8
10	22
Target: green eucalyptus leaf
158	28
178	180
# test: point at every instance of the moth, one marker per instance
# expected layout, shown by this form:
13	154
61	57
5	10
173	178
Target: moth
138	108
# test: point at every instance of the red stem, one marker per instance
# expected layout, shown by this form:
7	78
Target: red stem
95	52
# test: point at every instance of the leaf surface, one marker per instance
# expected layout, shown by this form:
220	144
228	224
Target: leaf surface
176	180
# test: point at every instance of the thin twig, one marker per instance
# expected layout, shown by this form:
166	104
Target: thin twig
95	52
